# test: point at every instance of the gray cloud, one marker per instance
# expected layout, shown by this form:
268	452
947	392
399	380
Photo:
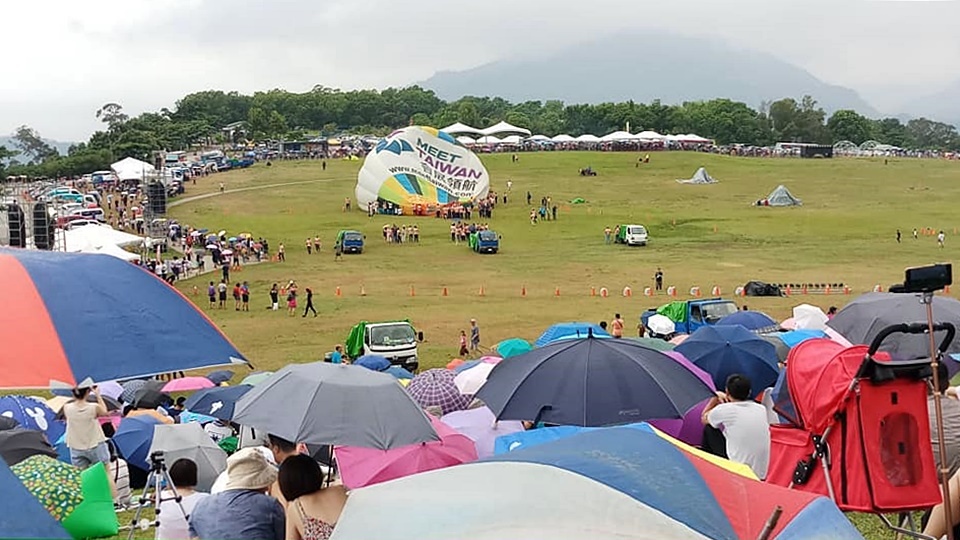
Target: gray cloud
146	54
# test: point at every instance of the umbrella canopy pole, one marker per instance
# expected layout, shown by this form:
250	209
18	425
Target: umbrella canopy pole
927	299
159	476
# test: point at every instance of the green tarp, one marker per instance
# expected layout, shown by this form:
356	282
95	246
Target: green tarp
354	343
578	200
675	311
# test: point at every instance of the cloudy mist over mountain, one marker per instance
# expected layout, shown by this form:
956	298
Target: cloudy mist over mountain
883	57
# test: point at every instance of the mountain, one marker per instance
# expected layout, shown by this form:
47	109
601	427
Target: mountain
644	67
941	106
61	147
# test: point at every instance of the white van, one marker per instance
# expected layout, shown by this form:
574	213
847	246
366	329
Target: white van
636	235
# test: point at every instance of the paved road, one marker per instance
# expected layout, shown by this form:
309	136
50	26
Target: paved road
186	200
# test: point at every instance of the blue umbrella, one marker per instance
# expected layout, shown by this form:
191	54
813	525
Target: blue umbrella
133	439
535	437
372	362
796	337
398	372
221	376
592	382
722	351
569	330
31	413
217	402
466	365
23	516
756	321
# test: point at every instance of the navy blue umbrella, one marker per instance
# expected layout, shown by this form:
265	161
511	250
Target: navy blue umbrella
751	320
133	439
592	382
216	402
31	413
372	362
722	351
220	376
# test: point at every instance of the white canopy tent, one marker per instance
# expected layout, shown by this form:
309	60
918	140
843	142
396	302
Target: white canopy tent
650	136
504	127
93	237
618	136
539	138
461	129
512	139
588	138
489	139
115	251
463	139
563	138
132	169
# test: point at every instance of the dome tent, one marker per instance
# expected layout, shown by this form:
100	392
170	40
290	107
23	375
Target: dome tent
420	167
782	197
699	177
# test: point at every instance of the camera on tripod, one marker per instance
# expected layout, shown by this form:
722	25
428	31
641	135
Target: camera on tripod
156	461
925	279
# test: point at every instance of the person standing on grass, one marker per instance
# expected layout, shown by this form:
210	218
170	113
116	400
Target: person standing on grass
317	244
309	307
464	351
212	295
915	233
236	297
309	246
898	236
222	292
338	252
474	336
616	327
940	238
84	438
274	297
658	278
245	296
292	300
606	234
281	255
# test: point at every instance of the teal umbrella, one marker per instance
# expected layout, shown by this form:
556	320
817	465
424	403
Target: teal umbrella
513	347
654	343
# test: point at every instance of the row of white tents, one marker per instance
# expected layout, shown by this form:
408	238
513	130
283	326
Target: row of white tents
99	239
517	135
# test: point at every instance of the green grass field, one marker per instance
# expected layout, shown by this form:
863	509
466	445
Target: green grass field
700	235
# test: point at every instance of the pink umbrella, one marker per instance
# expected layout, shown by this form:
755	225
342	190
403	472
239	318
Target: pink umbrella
789	324
482	427
112	418
679	338
361	467
688	429
188	384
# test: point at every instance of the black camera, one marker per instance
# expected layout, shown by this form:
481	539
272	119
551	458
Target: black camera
925	279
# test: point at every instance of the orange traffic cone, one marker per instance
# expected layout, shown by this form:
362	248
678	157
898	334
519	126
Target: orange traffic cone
444	292
413	292
593	291
363	290
481	291
556	292
523	291
337	293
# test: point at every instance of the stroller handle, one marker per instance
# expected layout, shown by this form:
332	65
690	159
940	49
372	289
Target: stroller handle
914	328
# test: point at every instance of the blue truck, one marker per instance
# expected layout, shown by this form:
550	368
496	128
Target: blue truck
351	241
689	315
485	242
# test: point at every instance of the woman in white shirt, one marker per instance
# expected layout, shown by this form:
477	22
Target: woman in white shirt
174	522
84	437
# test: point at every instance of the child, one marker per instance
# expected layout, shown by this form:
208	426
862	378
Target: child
212	295
464	352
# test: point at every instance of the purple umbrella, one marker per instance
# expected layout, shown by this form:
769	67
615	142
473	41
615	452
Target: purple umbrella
688	429
481	426
111	389
436	388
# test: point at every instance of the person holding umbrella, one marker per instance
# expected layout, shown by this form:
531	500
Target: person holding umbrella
743	422
84	438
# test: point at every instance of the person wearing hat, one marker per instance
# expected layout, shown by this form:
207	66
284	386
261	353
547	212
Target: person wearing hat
243	511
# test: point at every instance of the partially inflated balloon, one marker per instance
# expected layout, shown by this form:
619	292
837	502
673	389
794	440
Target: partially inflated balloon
420	169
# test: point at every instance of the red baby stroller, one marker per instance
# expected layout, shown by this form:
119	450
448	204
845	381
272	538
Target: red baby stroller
857	427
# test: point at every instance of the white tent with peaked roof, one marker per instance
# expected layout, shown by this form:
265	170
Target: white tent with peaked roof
588	138
539	138
463	139
618	136
650	136
461	129
562	138
699	177
781	196
489	139
132	169
504	127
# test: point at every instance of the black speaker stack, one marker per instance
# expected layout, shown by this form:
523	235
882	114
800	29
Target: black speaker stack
17	224
157	198
44	227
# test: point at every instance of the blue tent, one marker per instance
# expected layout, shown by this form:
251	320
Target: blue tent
23	516
569	330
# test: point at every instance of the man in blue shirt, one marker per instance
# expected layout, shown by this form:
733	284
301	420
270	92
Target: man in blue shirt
242	511
337	356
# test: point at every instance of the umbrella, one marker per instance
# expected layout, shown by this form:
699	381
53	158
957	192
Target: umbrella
361	467
257	378
474	363
150	398
232	239
189	441
227	252
756	321
807	317
213	246
217	402
336	404
626	480
108	389
188	384
132	324
373	362
781	347
654	343
861	320
688	429
221	376
18	444
221	233
245	235
592	382
130	388
195	233
513	347
399	373
436	388
796	337
455	363
569	330
469	381
661	325
23	516
54	483
482	427
678	339
722	351
31	413
133	439
56	403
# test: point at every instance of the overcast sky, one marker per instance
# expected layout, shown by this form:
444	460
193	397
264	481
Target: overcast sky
65	58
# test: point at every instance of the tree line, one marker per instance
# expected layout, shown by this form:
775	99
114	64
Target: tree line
199	118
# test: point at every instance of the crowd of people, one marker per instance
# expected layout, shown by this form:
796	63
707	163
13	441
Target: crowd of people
401	234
